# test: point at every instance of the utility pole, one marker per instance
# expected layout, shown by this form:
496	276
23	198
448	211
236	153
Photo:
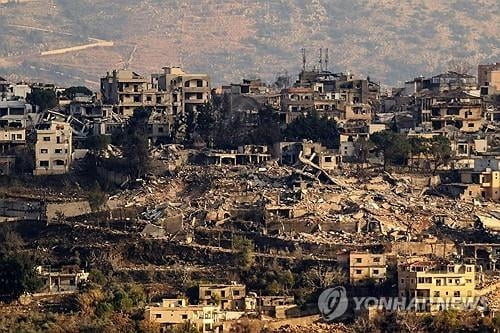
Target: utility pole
304	59
326	60
320	59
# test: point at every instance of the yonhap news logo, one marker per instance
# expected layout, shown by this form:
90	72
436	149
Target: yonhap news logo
333	303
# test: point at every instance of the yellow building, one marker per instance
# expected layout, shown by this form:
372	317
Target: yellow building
364	266
176	312
436	287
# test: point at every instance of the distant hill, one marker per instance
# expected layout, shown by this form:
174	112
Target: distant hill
389	40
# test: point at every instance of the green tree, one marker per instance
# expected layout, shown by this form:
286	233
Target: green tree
312	127
44	98
394	147
135	147
268	130
362	148
97	144
205	123
440	150
71	92
17	276
418	147
245	248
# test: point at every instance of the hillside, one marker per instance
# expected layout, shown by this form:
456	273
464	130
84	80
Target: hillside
389	40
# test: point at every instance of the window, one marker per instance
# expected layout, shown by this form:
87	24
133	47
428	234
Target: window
149	98
199	83
358	271
58	151
470	124
184	317
44	164
199	96
436	293
457	281
456	293
469	269
236	293
376	259
402	280
208	293
328	159
438	282
46	138
19	136
428	280
375	271
158	315
44	151
420	280
223	293
359	260
59	162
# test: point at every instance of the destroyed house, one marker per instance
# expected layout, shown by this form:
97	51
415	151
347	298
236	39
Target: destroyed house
289	153
230	296
67	279
245	155
450	81
485	255
456	108
487	184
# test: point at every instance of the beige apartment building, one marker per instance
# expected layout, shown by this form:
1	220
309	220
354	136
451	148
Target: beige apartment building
176	312
229	296
187	91
53	148
364	266
436	287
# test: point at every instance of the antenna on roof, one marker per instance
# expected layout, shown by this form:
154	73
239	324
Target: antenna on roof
326	60
320	59
304	59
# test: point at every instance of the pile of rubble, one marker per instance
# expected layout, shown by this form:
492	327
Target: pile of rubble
313	328
273	200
